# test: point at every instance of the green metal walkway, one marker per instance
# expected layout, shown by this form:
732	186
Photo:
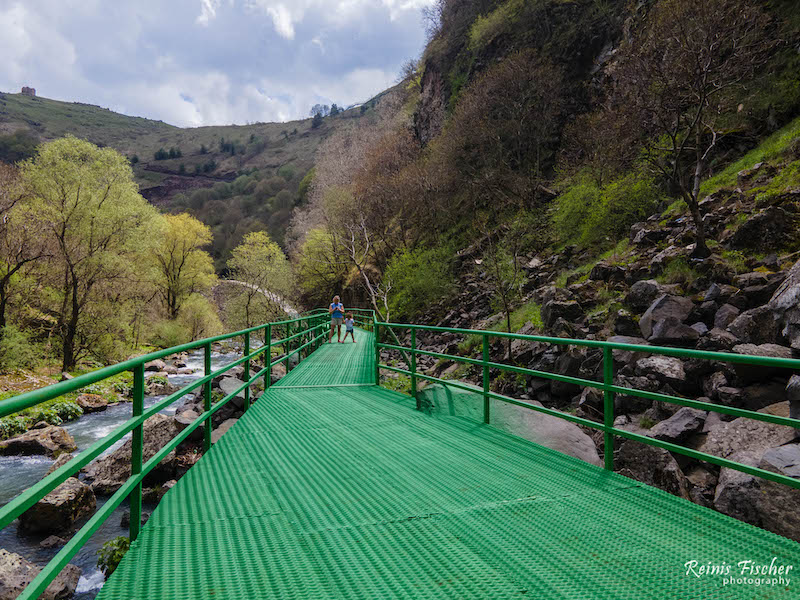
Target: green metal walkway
347	491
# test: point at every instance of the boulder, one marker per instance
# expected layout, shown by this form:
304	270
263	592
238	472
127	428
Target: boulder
627	356
155	365
702	485
91	403
222	430
16	573
553	310
154	495
747	373
664	307
726	314
569	364
743	434
717	340
125	521
60	509
52	541
671	332
793	394
628	403
679	426
771	228
228	385
643	293
107	474
50	441
653	466
666	369
755	326
758	501
185	371
785	306
444	401
59	462
609	273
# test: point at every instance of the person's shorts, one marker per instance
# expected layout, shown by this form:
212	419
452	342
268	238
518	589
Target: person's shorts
336	321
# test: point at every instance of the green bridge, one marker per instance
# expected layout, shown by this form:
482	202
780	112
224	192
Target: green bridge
331	486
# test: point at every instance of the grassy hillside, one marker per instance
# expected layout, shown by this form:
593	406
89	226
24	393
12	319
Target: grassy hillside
236	178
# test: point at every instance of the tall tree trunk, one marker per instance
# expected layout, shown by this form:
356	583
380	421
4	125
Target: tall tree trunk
71	330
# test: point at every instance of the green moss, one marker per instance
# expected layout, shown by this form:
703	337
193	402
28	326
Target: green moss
678	271
530	312
646	423
735	260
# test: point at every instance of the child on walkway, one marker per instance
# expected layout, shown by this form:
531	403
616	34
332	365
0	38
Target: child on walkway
349	324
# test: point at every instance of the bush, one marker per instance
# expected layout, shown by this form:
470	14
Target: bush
13	425
169	333
587	213
110	555
418	278
16	350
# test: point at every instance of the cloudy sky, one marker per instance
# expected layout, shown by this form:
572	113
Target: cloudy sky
207	62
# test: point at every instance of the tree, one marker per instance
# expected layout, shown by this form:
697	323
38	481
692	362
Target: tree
321	269
20	243
17	146
677	78
259	263
316	121
334	110
320	109
84	199
182	267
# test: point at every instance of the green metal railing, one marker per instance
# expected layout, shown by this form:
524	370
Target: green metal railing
301	334
606	386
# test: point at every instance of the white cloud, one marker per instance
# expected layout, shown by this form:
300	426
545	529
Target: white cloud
282	20
208	11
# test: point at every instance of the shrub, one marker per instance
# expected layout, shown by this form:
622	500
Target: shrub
111	553
13	425
169	333
16	350
418	278
587	213
487	27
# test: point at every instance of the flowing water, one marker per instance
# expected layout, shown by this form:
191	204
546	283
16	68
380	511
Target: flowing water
17	473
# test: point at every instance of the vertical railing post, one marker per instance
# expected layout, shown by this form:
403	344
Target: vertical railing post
268	354
414	363
377	353
608	408
486	390
247	370
137	443
207	396
287	345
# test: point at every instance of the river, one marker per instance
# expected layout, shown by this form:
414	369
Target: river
17	473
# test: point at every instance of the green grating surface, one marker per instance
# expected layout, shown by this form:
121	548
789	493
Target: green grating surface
348	492
337	364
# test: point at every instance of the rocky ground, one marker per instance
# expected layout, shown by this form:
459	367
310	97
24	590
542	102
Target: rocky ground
743	299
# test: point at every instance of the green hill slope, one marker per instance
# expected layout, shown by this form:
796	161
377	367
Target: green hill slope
236	178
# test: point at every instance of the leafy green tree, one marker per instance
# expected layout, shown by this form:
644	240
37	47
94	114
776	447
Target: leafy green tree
182	267
84	200
334	110
322	270
161	154
261	265
316	121
17	146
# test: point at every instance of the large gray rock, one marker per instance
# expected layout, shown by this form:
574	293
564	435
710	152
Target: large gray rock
16	573
664	307
653	466
785	306
90	403
222	430
758	501
671	332
60	509
643	293
726	314
679	426
548	431
756	326
569	310
228	385
107	474
793	394
569	364
50	441
748	373
667	369
742	434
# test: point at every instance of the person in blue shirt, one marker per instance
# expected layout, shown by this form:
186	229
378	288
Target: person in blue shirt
336	310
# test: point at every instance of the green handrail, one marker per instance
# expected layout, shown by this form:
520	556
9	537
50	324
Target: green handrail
607	386
312	325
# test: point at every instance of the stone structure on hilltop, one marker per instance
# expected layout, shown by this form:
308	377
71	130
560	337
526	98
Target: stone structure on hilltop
28	91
